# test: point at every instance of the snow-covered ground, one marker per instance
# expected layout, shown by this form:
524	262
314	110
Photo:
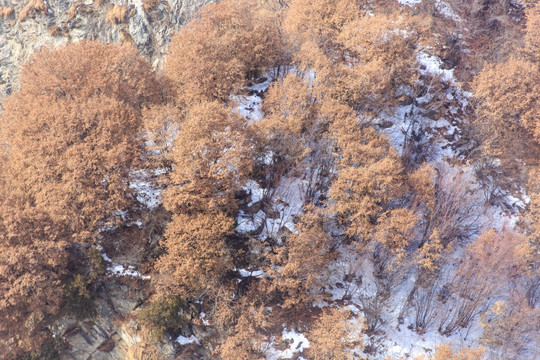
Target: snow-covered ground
147	192
298	342
409	2
182	340
118	269
287	203
249	106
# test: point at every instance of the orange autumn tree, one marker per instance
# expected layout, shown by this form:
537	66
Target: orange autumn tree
445	352
370	176
508	104
211	161
69	142
507	94
365	61
215	54
299	268
335	336
321	21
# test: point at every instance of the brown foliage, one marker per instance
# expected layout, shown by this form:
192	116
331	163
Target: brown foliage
532	35
196	257
31	276
150	4
6	12
532	227
70	139
89	68
68	164
213	55
161	125
333	336
245	342
302	263
211	159
445	352
370	176
321	21
378	59
508	95
364	61
289	112
33	7
117	14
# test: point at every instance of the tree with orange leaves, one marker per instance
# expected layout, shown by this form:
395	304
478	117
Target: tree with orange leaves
215	54
70	140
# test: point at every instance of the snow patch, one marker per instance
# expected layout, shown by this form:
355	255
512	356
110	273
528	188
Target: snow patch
182	340
446	10
254	190
118	269
121	270
409	2
249	106
251	273
249	222
148	193
432	66
299	344
288	203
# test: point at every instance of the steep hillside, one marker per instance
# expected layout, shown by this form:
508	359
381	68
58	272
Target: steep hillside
270	179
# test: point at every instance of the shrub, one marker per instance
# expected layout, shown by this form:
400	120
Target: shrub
79	300
97	262
117	14
49	351
6	11
33	7
164	315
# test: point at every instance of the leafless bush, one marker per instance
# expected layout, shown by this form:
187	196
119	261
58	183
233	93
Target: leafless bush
484	269
424	303
456	211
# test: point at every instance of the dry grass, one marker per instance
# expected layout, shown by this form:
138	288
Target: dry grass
33	7
117	14
125	37
54	30
72	12
78	8
150	4
57	31
6	12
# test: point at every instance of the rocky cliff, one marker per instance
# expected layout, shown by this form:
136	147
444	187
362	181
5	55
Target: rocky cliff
28	25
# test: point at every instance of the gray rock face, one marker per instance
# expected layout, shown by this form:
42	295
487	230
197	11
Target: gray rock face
148	24
113	330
